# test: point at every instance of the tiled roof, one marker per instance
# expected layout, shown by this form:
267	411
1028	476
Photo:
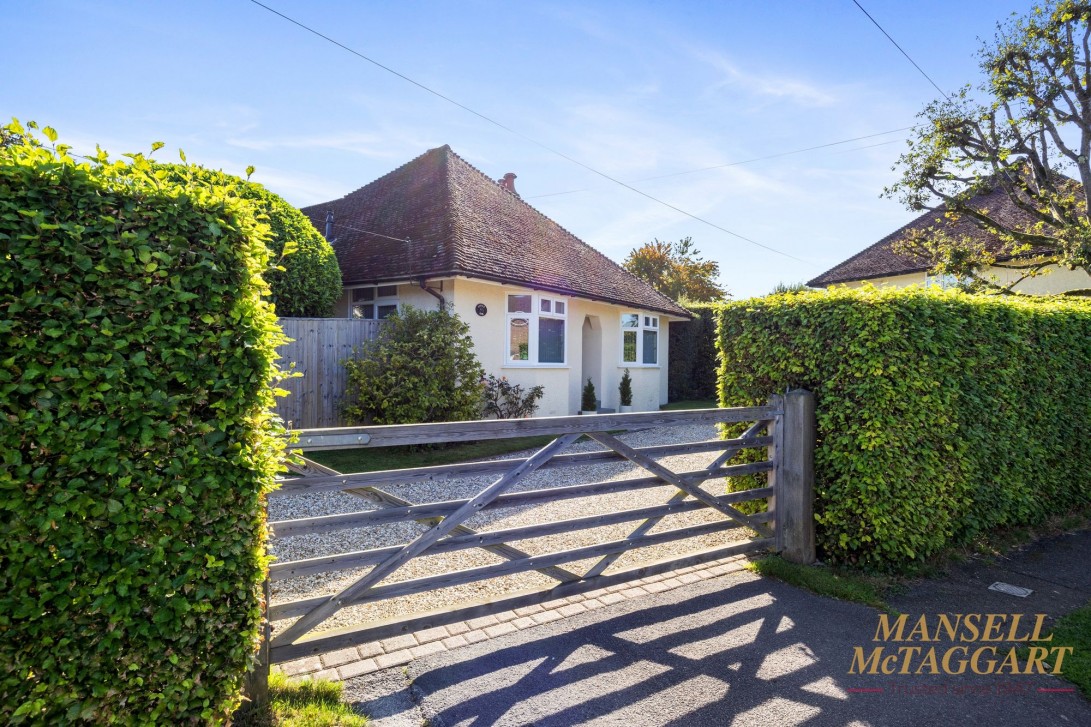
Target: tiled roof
880	260
438	216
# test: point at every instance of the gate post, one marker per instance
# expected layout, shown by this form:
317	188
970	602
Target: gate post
794	480
256	686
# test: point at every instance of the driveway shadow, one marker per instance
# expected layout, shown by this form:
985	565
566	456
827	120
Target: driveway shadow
736	651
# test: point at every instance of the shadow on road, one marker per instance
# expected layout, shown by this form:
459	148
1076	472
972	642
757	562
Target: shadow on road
733	651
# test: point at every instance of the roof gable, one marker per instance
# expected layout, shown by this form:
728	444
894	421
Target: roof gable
439	216
881	261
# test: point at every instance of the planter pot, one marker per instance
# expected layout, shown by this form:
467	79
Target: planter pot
625	409
587	413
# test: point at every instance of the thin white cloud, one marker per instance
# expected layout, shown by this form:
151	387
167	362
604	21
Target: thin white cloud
732	76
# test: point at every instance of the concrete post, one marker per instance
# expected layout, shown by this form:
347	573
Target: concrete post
794	478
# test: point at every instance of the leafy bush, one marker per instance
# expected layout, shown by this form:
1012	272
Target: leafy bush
625	389
506	401
940	415
306	279
137	354
692	365
421	368
588	401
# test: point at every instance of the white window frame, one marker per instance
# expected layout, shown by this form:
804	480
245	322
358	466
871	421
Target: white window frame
533	318
375	302
645	322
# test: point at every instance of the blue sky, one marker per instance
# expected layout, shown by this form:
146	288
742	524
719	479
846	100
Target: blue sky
632	89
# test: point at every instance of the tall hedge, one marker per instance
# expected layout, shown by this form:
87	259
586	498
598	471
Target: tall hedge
692	365
940	415
136	353
305	279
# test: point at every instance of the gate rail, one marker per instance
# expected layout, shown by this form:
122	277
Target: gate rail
784	429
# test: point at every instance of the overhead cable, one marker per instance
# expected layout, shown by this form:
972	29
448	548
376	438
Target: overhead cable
524	137
748	161
873	20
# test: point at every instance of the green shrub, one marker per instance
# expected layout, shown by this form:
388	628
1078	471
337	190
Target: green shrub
421	368
505	400
625	389
940	415
305	280
588	400
136	354
692	365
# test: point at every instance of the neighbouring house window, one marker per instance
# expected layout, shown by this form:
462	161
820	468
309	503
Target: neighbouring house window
639	339
946	281
536	329
374	302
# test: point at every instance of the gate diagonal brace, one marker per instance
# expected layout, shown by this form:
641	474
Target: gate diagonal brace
727	455
682	484
333	604
382	497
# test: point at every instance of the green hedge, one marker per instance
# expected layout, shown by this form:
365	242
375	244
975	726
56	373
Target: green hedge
692	365
136	354
306	279
940	415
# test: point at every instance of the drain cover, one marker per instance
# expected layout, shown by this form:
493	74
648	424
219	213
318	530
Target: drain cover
1010	589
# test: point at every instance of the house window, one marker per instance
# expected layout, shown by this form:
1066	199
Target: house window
945	281
536	329
374	302
639	339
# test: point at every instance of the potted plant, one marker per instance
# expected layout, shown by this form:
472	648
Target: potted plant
625	392
588	403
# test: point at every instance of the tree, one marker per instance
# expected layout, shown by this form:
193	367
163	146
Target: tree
1028	138
676	270
421	368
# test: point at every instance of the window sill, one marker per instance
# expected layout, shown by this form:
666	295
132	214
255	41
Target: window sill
637	366
511	365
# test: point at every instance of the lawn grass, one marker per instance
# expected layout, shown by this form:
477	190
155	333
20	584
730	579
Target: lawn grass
395	458
310	703
1075	630
689	404
825	581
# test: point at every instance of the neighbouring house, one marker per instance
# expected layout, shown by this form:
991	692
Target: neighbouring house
881	265
544	308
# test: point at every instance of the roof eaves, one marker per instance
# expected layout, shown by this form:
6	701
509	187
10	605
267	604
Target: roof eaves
673	310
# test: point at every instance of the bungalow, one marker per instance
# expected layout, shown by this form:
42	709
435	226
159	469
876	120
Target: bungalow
880	265
544	308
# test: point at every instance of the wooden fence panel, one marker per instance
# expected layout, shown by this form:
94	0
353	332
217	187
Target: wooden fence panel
318	347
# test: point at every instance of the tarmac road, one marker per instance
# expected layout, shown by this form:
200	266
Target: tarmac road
742	650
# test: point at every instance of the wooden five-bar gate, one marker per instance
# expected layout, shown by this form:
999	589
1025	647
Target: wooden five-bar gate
784	429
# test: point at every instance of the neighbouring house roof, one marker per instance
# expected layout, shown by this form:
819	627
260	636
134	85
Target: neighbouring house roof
438	216
880	260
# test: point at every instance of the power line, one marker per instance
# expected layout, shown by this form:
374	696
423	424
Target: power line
746	161
524	137
873	20
342	225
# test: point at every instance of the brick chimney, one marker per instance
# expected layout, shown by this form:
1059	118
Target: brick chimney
508	183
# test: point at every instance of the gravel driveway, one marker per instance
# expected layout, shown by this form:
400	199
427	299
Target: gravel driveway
310	546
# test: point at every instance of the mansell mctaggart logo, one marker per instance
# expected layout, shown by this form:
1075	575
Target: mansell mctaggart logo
972	643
